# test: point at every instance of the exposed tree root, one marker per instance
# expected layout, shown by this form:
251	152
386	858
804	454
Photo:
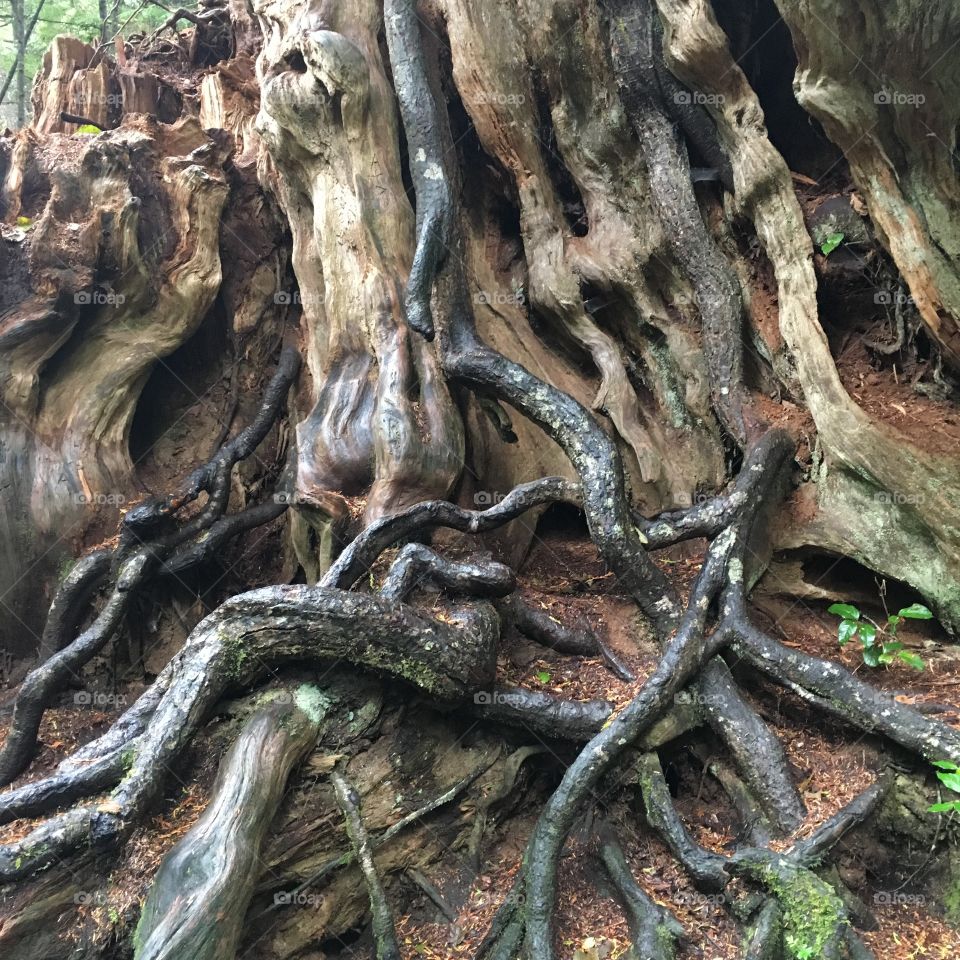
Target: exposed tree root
706	868
544	629
384	932
198	901
362	553
449	659
448	652
416	564
147	543
466	358
725	568
654	931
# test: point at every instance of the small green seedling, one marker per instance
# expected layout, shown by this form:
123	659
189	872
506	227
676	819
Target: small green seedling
831	243
948	773
880	644
543	676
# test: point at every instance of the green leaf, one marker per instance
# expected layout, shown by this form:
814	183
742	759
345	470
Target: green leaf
868	633
894	647
831	243
24	221
88	128
871	656
945	764
844	610
950	780
947	805
543	676
911	659
885	658
847	631
916	611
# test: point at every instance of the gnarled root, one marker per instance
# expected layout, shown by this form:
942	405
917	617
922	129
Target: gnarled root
384	933
449	659
198	900
654	931
146	544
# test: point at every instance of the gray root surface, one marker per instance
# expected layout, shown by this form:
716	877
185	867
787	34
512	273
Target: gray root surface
384	930
197	903
654	931
146	544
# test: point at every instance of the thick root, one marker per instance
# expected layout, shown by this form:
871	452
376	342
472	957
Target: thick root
198	901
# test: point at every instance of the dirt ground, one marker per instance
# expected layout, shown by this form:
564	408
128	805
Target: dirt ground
564	576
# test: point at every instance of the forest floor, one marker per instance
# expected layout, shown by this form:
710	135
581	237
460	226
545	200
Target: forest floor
832	765
565	576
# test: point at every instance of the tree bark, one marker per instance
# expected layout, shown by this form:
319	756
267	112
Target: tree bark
296	352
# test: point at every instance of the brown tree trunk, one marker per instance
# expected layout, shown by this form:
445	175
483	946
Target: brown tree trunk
336	279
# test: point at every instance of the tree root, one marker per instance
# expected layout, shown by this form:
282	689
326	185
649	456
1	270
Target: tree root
384	931
362	553
145	547
388	834
543	713
467	359
417	564
544	629
198	900
706	868
653	929
764	940
449	658
758	754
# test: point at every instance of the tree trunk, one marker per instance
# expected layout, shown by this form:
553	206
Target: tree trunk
388	283
19	25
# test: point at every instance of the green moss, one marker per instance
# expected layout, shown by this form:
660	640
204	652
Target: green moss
811	909
951	903
312	701
951	893
66	565
235	654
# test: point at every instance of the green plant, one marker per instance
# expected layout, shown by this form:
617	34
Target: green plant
948	773
831	243
880	643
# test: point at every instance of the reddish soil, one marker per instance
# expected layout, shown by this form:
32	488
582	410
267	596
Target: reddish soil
565	576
